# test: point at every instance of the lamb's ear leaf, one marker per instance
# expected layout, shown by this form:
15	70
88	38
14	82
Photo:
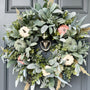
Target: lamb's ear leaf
63	81
54	5
85	25
31	66
44	29
33	44
37	6
33	87
77	69
17	81
81	20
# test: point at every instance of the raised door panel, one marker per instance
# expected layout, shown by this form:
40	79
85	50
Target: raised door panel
11	5
80	6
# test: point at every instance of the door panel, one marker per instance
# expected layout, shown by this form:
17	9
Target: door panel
7	15
79	6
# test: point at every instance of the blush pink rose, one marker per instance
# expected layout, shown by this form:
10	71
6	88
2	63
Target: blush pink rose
19	60
63	29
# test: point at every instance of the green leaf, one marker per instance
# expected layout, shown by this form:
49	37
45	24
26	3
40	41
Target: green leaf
31	66
44	29
71	15
33	87
42	14
15	34
53	7
8	42
27	51
38	82
49	70
33	44
39	23
61	21
50	30
37	6
85	25
22	56
11	62
79	45
51	82
73	32
43	85
77	69
35	29
78	57
81	20
63	81
84	36
16	82
58	11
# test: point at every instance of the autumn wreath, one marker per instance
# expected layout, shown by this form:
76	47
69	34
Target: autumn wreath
46	45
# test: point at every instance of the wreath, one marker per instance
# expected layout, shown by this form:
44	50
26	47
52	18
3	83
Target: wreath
46	46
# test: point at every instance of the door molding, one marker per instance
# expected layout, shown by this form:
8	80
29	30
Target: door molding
82	9
10	8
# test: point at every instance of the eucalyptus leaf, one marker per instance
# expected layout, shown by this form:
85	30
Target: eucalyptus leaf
44	29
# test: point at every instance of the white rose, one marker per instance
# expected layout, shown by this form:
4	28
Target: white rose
68	60
24	31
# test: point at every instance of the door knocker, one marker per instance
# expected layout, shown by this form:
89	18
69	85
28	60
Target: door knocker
45	45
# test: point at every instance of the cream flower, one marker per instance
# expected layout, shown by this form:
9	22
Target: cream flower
24	31
68	60
45	73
